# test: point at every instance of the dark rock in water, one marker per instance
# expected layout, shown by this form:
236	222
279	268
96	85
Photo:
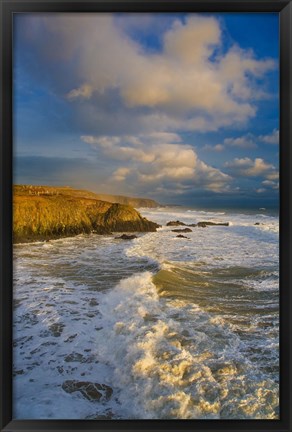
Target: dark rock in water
184	230
93	302
126	237
74	357
205	224
91	391
181	236
175	223
56	329
257	223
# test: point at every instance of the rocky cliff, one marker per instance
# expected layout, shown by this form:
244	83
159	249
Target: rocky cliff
43	212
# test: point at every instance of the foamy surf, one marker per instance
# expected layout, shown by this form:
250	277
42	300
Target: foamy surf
170	359
159	327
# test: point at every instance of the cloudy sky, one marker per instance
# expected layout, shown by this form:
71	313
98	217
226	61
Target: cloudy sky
182	108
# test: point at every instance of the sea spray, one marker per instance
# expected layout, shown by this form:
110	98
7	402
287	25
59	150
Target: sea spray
178	328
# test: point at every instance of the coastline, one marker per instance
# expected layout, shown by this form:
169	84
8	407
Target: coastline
42	214
150	300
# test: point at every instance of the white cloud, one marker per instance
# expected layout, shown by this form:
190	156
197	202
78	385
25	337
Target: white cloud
217	148
273	175
247	167
271	184
121	174
149	161
176	88
246	141
85	91
272	138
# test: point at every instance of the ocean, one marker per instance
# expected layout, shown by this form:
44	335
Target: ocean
158	327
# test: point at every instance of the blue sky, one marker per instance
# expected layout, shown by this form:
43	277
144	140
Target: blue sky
182	108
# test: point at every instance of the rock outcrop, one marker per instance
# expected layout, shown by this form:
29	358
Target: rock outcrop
205	224
175	223
184	230
126	237
42	213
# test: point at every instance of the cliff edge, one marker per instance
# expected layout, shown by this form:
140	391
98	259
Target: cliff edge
45	212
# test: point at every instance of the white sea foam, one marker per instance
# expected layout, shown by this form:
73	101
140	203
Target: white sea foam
165	367
179	328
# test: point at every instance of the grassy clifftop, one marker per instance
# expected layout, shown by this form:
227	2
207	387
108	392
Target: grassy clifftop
42	212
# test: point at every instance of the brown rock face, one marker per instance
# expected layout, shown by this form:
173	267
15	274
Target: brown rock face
91	391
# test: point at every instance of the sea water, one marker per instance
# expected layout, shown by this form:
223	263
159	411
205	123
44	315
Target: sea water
178	328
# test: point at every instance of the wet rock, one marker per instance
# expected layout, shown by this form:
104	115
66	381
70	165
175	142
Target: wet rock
108	415
184	230
79	358
71	338
93	302
56	329
204	224
175	223
91	391
18	372
181	236
127	237
257	223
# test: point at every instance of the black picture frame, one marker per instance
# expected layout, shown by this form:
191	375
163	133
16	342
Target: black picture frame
7	9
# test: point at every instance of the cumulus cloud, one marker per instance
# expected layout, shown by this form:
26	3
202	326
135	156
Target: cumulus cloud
272	138
247	167
186	85
246	142
217	148
271	184
154	162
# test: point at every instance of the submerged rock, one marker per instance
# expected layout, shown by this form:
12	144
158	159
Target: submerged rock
182	236
126	237
184	230
91	391
175	223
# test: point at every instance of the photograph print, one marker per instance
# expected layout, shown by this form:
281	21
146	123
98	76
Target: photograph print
146	216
